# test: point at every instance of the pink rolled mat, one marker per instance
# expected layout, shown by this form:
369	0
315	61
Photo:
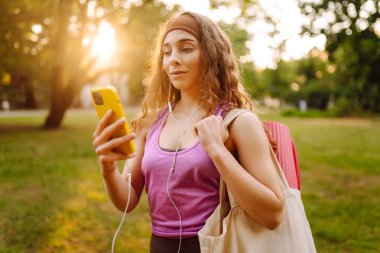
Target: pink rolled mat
286	153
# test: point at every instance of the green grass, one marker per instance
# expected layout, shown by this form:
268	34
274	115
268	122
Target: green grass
52	197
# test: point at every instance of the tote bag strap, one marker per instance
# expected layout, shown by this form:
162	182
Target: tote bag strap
225	205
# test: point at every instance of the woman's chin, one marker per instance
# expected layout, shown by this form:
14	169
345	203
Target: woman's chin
180	84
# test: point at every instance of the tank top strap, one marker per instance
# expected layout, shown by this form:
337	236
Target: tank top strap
161	116
161	113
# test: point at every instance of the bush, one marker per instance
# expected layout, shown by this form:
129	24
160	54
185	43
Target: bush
307	114
315	93
345	107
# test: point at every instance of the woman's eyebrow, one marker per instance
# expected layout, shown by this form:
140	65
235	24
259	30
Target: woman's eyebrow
181	41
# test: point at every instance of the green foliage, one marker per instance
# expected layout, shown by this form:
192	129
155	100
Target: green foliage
317	94
353	45
277	81
345	107
238	37
305	79
357	77
250	80
23	53
313	113
52	63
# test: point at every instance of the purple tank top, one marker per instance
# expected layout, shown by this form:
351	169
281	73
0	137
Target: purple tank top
193	185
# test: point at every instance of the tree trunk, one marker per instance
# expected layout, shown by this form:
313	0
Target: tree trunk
61	98
58	100
55	117
58	106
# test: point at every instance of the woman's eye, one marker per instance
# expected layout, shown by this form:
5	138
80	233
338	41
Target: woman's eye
166	52
187	49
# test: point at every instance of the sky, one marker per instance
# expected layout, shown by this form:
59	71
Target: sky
290	20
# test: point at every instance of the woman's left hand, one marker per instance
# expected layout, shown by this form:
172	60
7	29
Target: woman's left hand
211	132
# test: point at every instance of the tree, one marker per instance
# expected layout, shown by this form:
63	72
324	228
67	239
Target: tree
312	81
135	25
131	59
49	44
277	81
353	45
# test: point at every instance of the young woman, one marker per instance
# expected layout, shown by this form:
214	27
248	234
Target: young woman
182	146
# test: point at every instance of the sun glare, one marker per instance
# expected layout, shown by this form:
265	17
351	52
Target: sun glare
104	43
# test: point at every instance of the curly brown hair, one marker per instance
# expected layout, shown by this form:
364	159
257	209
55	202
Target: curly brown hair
221	82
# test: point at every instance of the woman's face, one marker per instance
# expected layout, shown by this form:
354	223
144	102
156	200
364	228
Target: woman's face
182	60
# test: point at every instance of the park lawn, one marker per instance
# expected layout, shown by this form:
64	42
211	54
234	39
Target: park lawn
52	197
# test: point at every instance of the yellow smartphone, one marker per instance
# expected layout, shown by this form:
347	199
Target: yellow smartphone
104	99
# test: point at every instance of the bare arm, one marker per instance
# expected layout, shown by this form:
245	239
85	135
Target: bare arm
252	179
116	183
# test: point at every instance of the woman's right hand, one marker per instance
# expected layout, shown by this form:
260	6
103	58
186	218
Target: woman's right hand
105	146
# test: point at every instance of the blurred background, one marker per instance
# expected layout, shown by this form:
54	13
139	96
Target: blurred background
312	64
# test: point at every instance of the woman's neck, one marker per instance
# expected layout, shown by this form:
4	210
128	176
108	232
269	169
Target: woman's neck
187	102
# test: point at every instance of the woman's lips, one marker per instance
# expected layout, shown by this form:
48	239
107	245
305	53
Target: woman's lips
177	73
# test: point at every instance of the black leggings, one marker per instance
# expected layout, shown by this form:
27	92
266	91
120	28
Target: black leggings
165	245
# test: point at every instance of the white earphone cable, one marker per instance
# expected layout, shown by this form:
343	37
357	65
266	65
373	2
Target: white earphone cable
173	166
171	200
129	178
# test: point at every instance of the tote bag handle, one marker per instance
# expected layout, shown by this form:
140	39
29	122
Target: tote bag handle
225	198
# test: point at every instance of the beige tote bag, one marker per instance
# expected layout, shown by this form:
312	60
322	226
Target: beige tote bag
240	233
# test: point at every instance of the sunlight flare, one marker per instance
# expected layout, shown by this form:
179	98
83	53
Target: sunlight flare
104	43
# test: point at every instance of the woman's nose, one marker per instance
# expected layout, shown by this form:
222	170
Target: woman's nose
175	58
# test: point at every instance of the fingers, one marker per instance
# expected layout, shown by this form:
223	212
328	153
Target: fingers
113	144
211	132
105	147
211	123
107	132
107	154
103	123
112	157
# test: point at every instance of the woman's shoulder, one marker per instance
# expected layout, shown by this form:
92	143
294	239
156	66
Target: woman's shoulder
246	121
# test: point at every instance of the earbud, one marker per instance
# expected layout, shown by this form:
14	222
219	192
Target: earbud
170	106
